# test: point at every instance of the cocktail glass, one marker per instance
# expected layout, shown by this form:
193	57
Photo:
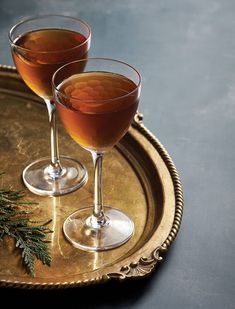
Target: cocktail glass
40	45
96	107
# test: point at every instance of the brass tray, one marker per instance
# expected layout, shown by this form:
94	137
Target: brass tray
139	177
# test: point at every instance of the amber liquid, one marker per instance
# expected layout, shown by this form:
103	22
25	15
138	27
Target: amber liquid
98	108
38	54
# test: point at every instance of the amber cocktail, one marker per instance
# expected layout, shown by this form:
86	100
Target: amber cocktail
91	121
45	50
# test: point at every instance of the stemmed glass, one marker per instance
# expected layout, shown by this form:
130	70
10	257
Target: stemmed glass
40	45
96	107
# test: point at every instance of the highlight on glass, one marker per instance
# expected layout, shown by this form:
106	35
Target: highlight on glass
96	106
40	45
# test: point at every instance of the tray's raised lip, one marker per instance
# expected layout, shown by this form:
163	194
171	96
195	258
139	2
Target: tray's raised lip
145	264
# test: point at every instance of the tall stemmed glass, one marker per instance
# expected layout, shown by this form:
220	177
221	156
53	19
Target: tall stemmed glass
96	108
40	45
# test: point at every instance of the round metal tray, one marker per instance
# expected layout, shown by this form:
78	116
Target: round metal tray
139	178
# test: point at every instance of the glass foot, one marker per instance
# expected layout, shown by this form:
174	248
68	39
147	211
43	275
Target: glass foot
37	180
117	230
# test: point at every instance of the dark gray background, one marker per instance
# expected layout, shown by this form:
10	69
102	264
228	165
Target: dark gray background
185	51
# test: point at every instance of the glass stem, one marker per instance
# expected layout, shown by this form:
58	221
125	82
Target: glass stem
98	218
54	169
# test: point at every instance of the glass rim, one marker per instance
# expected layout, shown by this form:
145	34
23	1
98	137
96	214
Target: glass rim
96	100
45	16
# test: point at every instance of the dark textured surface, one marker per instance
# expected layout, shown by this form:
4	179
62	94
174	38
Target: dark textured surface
185	51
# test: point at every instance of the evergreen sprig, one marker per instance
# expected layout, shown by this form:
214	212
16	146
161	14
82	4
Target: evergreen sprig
29	238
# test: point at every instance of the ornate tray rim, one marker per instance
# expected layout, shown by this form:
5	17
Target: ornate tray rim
145	265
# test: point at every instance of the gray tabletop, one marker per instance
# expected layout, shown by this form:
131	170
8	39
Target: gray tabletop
185	51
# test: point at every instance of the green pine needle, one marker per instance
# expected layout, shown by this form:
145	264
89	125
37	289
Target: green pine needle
29	238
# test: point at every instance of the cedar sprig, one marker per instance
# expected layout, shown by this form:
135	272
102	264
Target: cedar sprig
29	238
